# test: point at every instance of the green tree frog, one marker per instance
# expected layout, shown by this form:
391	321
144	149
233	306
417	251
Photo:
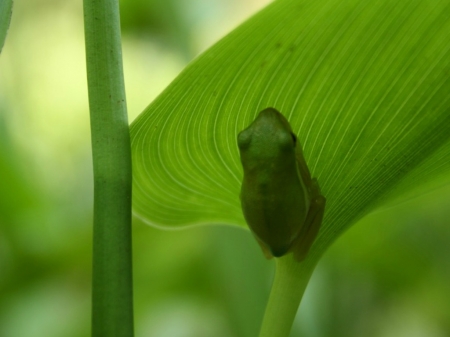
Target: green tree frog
282	205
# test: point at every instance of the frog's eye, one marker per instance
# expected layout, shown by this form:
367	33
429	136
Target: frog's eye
294	138
285	141
244	138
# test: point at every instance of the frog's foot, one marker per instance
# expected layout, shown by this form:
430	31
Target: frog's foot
266	251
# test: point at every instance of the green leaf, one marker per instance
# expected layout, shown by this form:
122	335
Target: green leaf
5	19
365	84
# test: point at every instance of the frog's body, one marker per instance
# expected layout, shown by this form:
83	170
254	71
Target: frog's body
281	203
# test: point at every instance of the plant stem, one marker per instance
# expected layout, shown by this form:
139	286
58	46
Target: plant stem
291	278
112	303
5	19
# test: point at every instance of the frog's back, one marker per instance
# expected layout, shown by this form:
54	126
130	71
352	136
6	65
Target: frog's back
275	211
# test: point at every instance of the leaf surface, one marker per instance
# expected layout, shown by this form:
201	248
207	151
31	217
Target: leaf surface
364	84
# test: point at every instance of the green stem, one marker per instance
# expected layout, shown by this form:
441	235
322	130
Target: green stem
5	19
112	304
291	278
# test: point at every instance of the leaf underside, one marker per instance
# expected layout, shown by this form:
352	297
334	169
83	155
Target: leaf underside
364	84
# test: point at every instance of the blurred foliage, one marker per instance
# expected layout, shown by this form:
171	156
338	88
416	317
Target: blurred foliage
387	276
163	20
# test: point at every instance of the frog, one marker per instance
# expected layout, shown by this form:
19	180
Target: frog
281	203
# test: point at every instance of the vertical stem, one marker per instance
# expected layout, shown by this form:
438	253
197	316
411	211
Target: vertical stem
291	278
5	19
112	304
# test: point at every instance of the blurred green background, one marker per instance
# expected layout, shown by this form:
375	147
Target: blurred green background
388	276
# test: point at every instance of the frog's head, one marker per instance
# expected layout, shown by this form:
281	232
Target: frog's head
268	138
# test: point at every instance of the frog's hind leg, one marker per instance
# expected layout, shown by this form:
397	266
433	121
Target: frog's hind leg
314	219
303	167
